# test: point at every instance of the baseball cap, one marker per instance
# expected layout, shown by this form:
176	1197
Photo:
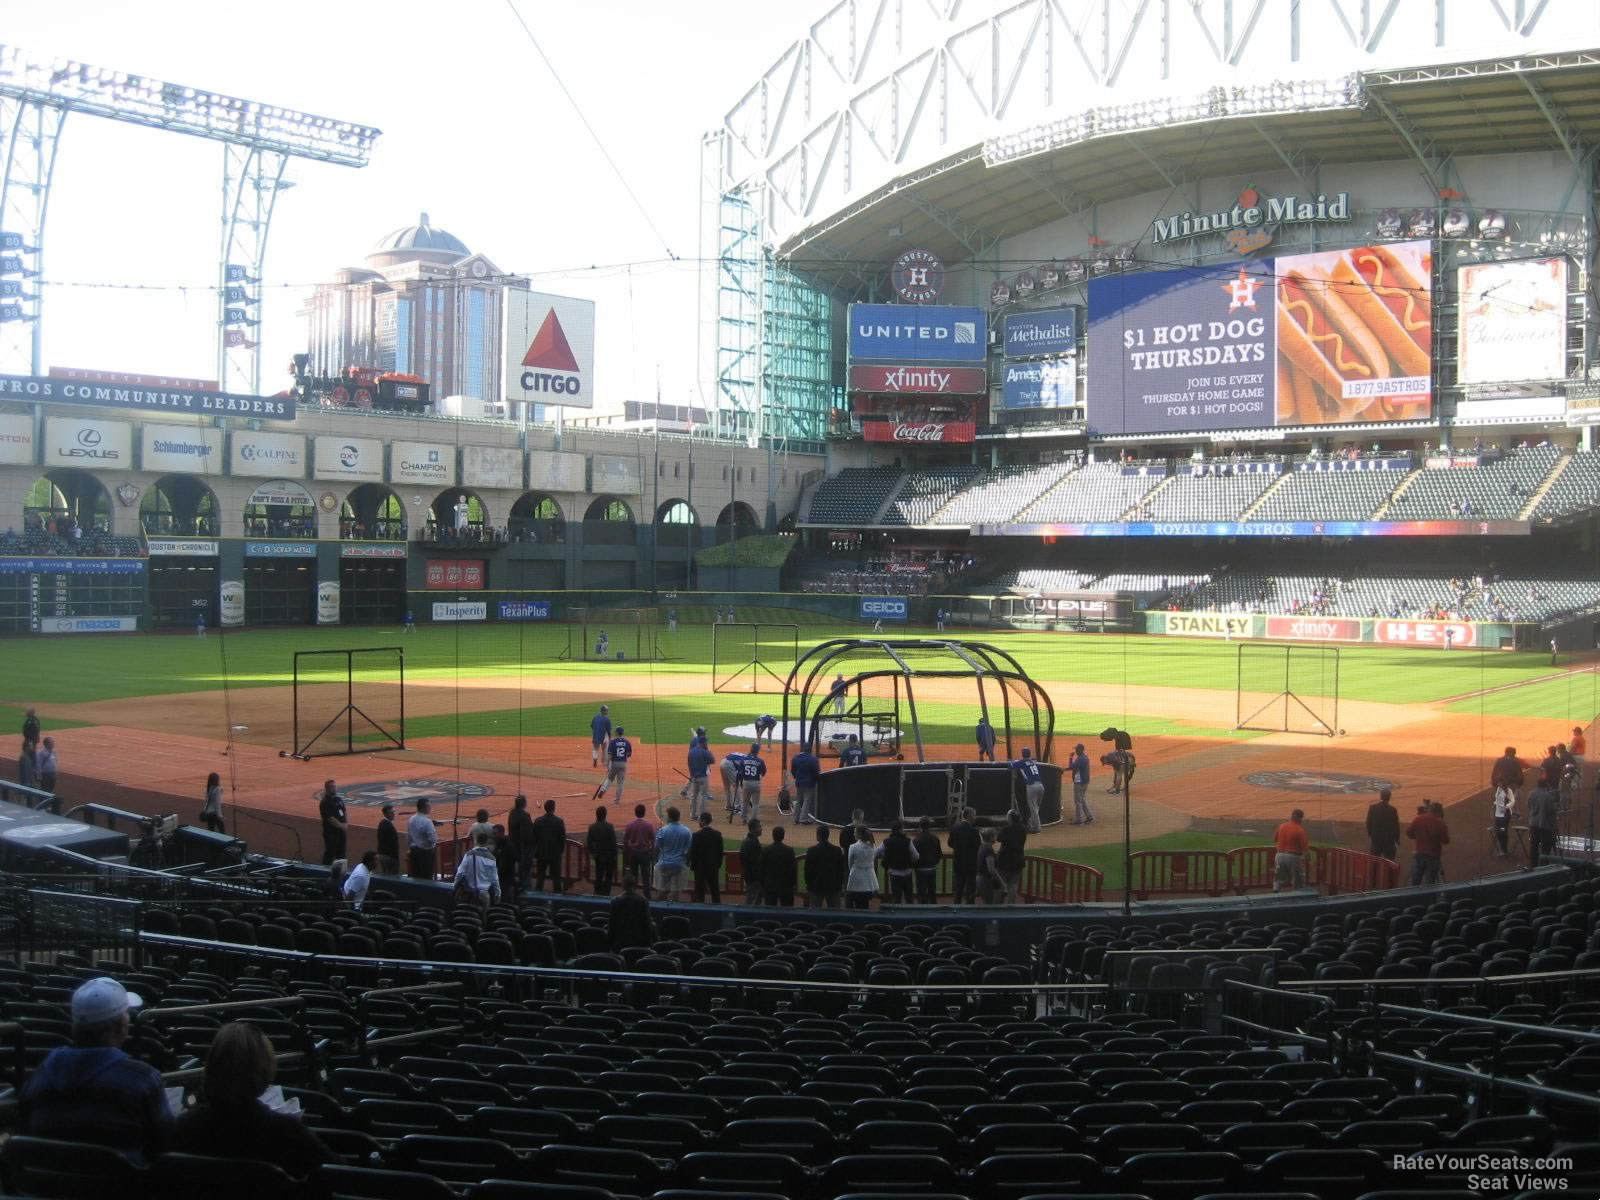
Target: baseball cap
102	999
755	747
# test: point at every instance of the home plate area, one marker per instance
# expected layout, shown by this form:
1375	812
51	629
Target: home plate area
832	731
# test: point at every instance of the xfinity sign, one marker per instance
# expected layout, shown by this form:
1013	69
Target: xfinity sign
918	333
884	608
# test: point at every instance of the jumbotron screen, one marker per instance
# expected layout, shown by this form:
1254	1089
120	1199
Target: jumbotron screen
1336	337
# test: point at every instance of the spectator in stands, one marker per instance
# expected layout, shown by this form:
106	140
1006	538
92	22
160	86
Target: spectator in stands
231	1121
91	1091
1505	809
211	811
779	871
422	841
1383	826
705	861
333	886
630	924
1289	868
505	861
861	882
335	826
672	856
549	844
359	880
480	824
1032	786
1009	855
1578	745
848	833
964	844
985	735
928	853
30	728
602	843
750	852
806	769
825	872
1507	772
1429	835
47	765
1078	768
477	879
1543	806
519	832
1550	768
899	864
638	848
990	885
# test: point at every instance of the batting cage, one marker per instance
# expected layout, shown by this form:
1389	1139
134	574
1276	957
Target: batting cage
915	708
350	701
1287	689
753	657
613	635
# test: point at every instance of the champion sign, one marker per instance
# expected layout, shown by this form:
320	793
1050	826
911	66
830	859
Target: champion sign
918	333
924	431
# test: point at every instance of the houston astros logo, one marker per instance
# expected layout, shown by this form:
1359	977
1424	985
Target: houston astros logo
1325	783
404	793
1242	290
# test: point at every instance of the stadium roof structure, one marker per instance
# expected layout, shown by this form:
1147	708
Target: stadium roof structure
963	204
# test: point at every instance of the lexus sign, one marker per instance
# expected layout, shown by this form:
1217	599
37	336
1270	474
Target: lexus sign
941	381
920	431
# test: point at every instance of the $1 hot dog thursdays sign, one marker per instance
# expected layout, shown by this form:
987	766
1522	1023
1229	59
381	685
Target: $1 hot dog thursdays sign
1335	337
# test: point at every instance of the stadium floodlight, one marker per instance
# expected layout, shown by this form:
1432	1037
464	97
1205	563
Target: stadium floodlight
1251	100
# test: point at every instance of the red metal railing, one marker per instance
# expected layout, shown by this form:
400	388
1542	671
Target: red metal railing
1252	868
1178	872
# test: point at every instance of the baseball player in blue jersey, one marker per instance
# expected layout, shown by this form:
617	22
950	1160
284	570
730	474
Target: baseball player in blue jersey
765	724
852	755
752	770
618	751
1032	785
730	783
599	731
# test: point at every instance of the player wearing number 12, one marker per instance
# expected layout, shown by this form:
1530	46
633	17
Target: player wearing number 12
618	751
1032	785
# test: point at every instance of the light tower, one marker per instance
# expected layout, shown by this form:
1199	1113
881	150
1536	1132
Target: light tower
258	140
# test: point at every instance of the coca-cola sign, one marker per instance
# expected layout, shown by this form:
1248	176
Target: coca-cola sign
944	381
921	431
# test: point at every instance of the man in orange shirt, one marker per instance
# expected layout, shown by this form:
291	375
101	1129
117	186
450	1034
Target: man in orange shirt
1293	846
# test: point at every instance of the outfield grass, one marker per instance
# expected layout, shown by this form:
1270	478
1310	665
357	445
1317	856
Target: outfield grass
46	671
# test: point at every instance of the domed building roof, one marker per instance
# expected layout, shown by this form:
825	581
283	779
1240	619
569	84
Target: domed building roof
420	241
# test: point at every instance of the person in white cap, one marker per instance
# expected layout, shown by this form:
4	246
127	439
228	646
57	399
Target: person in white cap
91	1091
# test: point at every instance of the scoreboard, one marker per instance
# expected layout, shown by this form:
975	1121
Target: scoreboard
71	595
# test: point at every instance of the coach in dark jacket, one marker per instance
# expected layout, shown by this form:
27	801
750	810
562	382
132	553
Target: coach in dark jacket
824	872
549	843
519	830
964	841
1383	827
750	862
705	861
602	843
779	871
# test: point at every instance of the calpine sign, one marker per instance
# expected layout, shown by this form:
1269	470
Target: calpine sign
1252	211
944	381
920	431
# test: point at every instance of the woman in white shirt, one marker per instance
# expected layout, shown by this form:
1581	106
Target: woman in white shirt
862	883
359	880
478	875
211	814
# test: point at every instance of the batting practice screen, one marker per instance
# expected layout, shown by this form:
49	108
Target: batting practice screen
349	701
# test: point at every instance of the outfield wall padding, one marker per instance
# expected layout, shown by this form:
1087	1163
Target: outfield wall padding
1404	632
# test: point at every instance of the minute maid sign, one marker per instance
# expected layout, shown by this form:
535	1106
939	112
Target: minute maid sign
1253	212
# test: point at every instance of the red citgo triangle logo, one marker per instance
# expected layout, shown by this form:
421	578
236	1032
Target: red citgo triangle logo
549	348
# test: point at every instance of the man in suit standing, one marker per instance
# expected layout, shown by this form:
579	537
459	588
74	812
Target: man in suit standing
1383	827
964	841
549	844
779	870
824	872
705	861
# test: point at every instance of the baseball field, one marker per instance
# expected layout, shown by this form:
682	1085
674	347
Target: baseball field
495	709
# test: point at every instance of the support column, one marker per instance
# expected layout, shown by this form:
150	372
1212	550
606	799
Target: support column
252	177
32	132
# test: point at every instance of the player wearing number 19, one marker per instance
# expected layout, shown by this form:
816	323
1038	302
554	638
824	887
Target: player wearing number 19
1032	785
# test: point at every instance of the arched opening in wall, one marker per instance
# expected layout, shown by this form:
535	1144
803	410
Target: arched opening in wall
735	521
67	504
536	517
372	513
280	508
608	522
677	523
457	515
787	525
179	506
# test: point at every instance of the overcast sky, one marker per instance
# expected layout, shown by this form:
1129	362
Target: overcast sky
475	132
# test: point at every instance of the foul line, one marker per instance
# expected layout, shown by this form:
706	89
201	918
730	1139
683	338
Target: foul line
1521	683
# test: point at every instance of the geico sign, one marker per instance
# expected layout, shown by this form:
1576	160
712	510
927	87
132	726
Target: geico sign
1427	633
543	381
884	608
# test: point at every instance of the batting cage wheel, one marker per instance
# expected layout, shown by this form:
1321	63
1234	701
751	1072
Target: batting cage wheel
350	701
753	656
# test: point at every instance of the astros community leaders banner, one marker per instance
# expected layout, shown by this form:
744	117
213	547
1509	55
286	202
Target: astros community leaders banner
1308	339
46	390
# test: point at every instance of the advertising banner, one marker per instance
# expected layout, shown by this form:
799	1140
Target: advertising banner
460	610
1043	383
1426	633
908	568
555	471
523	610
16	439
71	566
447	576
126	379
1048	331
1342	529
328	602
252	453
1219	625
88	624
1309	339
183	547
1513	320
431	464
231	606
938	381
280	549
491	466
370	550
918	333
549	348
357	460
615	473
176	449
1314	629
188	401
885	608
919	431
92	445
280	492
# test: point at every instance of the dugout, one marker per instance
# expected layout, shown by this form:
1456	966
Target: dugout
183	585
280	591
372	590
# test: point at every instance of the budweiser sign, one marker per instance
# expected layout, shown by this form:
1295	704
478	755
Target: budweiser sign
925	431
950	381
